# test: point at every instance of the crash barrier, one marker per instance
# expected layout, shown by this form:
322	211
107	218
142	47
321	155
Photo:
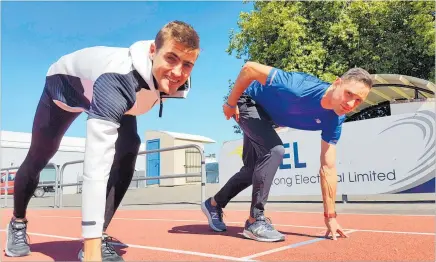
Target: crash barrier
6	182
202	173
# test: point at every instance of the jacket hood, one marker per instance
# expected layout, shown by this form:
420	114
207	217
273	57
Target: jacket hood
142	62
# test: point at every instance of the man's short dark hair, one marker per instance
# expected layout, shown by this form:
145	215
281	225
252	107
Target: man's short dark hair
358	74
179	31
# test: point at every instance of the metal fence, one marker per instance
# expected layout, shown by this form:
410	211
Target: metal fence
192	164
59	184
6	182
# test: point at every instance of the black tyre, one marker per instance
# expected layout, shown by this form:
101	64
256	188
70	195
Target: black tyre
39	192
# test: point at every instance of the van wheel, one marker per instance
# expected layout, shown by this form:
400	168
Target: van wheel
39	192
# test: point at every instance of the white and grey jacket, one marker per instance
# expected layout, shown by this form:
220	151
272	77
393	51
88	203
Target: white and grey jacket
107	82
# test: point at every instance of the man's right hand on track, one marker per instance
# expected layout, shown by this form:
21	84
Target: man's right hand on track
333	227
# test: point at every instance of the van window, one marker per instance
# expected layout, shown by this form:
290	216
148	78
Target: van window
11	177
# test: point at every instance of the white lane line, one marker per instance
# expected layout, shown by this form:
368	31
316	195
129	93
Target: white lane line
298	212
46	235
295	245
242	223
284	211
344	213
185	252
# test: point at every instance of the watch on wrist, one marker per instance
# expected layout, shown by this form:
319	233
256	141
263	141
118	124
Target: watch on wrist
330	215
227	103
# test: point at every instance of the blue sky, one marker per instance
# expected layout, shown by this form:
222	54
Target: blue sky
35	34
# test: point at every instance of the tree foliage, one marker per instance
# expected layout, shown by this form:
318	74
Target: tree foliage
326	38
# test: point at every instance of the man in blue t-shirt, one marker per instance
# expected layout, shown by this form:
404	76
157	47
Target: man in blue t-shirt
264	97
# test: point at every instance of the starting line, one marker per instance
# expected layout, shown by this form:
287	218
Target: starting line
242	223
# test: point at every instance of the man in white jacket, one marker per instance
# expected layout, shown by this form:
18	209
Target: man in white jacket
112	85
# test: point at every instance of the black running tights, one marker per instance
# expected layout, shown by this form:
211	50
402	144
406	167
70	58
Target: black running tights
49	126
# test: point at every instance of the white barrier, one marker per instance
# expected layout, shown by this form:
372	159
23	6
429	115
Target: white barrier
394	154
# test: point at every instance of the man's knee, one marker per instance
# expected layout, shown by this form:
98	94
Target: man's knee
39	155
136	141
278	152
133	144
128	143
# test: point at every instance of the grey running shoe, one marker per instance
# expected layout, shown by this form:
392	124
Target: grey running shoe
214	216
262	230
108	252
17	244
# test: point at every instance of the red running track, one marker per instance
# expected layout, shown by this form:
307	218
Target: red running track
184	235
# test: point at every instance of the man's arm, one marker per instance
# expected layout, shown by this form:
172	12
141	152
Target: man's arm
328	176
250	71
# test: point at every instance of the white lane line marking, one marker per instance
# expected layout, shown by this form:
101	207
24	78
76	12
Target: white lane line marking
295	245
149	247
241	223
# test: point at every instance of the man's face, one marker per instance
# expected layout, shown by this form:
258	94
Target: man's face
172	65
348	95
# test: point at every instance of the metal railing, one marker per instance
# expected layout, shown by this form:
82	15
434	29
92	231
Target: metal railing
202	173
59	181
60	191
6	186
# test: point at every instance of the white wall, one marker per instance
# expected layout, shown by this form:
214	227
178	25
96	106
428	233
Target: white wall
180	160
15	145
404	107
172	162
16	156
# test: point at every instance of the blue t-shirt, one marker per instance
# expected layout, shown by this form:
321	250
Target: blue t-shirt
293	99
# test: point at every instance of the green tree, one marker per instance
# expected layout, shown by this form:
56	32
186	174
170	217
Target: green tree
326	38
